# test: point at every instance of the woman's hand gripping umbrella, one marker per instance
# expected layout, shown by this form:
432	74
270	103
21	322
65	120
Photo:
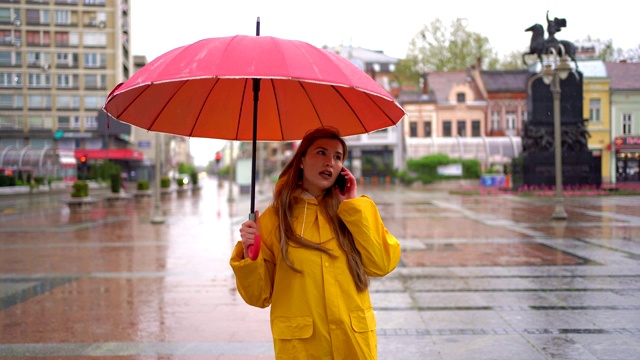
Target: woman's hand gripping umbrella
250	235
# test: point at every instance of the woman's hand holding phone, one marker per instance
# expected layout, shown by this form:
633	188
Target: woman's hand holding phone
346	185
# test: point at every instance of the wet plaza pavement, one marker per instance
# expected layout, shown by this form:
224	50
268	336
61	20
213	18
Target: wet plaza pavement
481	277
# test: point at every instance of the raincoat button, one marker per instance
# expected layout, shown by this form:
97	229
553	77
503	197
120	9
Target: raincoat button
333	327
326	264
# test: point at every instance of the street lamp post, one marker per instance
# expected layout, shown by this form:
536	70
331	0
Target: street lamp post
557	69
157	217
230	197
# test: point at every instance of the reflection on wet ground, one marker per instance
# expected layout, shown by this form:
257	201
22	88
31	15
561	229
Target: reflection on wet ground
480	278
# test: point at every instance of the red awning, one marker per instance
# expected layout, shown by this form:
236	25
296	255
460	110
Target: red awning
110	154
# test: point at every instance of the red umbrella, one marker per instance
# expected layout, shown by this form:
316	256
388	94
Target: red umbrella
211	89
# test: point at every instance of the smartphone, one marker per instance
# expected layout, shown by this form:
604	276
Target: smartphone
341	183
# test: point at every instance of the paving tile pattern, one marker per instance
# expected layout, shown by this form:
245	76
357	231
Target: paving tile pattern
480	278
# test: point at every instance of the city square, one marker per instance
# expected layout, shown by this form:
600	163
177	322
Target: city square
481	277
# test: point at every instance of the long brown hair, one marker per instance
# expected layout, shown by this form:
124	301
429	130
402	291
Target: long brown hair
288	183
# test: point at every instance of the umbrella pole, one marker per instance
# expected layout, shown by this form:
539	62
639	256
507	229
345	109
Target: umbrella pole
254	250
256	97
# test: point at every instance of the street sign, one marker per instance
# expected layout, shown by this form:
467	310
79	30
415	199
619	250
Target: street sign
58	134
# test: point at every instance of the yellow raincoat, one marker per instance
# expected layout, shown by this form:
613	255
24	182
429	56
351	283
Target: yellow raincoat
318	314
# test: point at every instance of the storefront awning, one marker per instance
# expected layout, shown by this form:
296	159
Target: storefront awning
110	154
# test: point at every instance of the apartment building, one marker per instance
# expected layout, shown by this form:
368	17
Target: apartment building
624	145
58	61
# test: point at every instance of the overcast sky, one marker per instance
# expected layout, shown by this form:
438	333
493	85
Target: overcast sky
159	26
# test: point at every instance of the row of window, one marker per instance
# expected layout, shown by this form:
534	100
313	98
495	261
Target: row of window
496	118
43	17
44	122
447	128
63	102
510	118
37	80
61	2
91	60
461	127
61	38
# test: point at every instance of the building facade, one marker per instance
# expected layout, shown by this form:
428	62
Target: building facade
597	111
58	61
506	96
624	142
449	116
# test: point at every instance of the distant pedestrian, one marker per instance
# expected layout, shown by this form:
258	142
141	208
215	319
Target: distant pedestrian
320	245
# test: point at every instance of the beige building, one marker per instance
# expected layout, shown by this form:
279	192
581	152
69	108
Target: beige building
449	116
58	61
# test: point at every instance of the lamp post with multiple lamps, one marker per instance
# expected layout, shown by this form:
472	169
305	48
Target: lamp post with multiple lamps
556	68
232	165
157	217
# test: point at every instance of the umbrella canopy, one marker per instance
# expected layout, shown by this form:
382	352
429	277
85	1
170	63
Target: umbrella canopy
252	88
205	89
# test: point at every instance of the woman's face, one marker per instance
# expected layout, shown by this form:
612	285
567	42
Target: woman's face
321	165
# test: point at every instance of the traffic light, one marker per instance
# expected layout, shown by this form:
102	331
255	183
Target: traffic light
218	157
84	166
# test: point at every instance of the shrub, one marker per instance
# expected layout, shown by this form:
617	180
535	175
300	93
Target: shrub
425	169
142	185
6	180
194	177
116	182
184	168
405	178
471	169
80	189
165	182
180	181
224	171
39	180
104	170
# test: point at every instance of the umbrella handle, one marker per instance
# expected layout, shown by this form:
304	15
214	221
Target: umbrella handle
254	250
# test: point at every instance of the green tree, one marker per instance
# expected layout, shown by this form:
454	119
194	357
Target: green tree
184	168
633	55
407	73
511	61
440	48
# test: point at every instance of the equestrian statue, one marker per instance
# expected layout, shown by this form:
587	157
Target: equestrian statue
540	46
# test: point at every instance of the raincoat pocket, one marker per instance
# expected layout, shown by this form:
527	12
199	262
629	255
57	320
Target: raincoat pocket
363	320
298	327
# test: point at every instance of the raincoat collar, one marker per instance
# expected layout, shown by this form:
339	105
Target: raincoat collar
305	196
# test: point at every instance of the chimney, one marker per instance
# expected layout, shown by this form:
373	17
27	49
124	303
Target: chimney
425	84
479	63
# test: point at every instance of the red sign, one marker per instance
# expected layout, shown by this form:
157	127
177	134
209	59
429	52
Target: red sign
110	154
627	142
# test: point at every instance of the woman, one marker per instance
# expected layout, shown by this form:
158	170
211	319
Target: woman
320	245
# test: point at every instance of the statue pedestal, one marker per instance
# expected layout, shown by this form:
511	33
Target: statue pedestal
538	169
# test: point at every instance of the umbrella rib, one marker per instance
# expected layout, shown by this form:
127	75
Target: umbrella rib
370	97
240	113
311	102
350	107
165	105
147	86
275	96
193	128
